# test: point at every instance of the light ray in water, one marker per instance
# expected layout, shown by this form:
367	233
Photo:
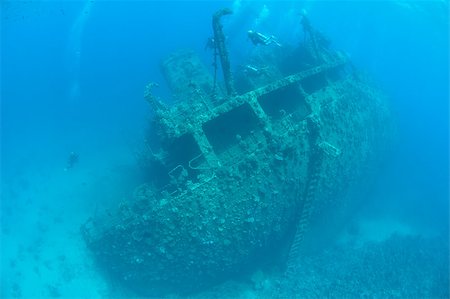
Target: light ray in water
74	51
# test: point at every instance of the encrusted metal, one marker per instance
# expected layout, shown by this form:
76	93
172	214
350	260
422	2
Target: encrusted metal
236	178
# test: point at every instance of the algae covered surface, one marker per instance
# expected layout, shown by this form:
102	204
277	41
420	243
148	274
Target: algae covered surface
267	150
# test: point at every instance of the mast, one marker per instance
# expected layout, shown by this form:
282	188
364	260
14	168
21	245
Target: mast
219	44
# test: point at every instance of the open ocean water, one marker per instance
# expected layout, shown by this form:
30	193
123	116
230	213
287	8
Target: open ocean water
73	118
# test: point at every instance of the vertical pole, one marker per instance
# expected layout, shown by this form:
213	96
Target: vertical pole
219	43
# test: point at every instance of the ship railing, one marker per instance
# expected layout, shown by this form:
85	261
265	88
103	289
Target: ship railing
197	167
190	187
167	189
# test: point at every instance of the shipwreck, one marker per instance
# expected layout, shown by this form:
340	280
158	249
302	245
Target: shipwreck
242	168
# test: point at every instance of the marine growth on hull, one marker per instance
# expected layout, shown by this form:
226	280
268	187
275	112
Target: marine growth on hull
244	167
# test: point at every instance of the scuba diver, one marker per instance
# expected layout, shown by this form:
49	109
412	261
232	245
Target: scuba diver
210	44
253	70
305	23
259	38
71	161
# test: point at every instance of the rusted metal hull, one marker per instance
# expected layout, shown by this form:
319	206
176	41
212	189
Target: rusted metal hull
237	178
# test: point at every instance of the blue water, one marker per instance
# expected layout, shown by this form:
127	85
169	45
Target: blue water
73	77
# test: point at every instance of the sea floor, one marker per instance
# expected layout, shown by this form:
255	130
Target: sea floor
42	208
43	254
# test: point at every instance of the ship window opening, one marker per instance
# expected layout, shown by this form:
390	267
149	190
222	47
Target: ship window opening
224	130
285	100
336	73
180	152
314	83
